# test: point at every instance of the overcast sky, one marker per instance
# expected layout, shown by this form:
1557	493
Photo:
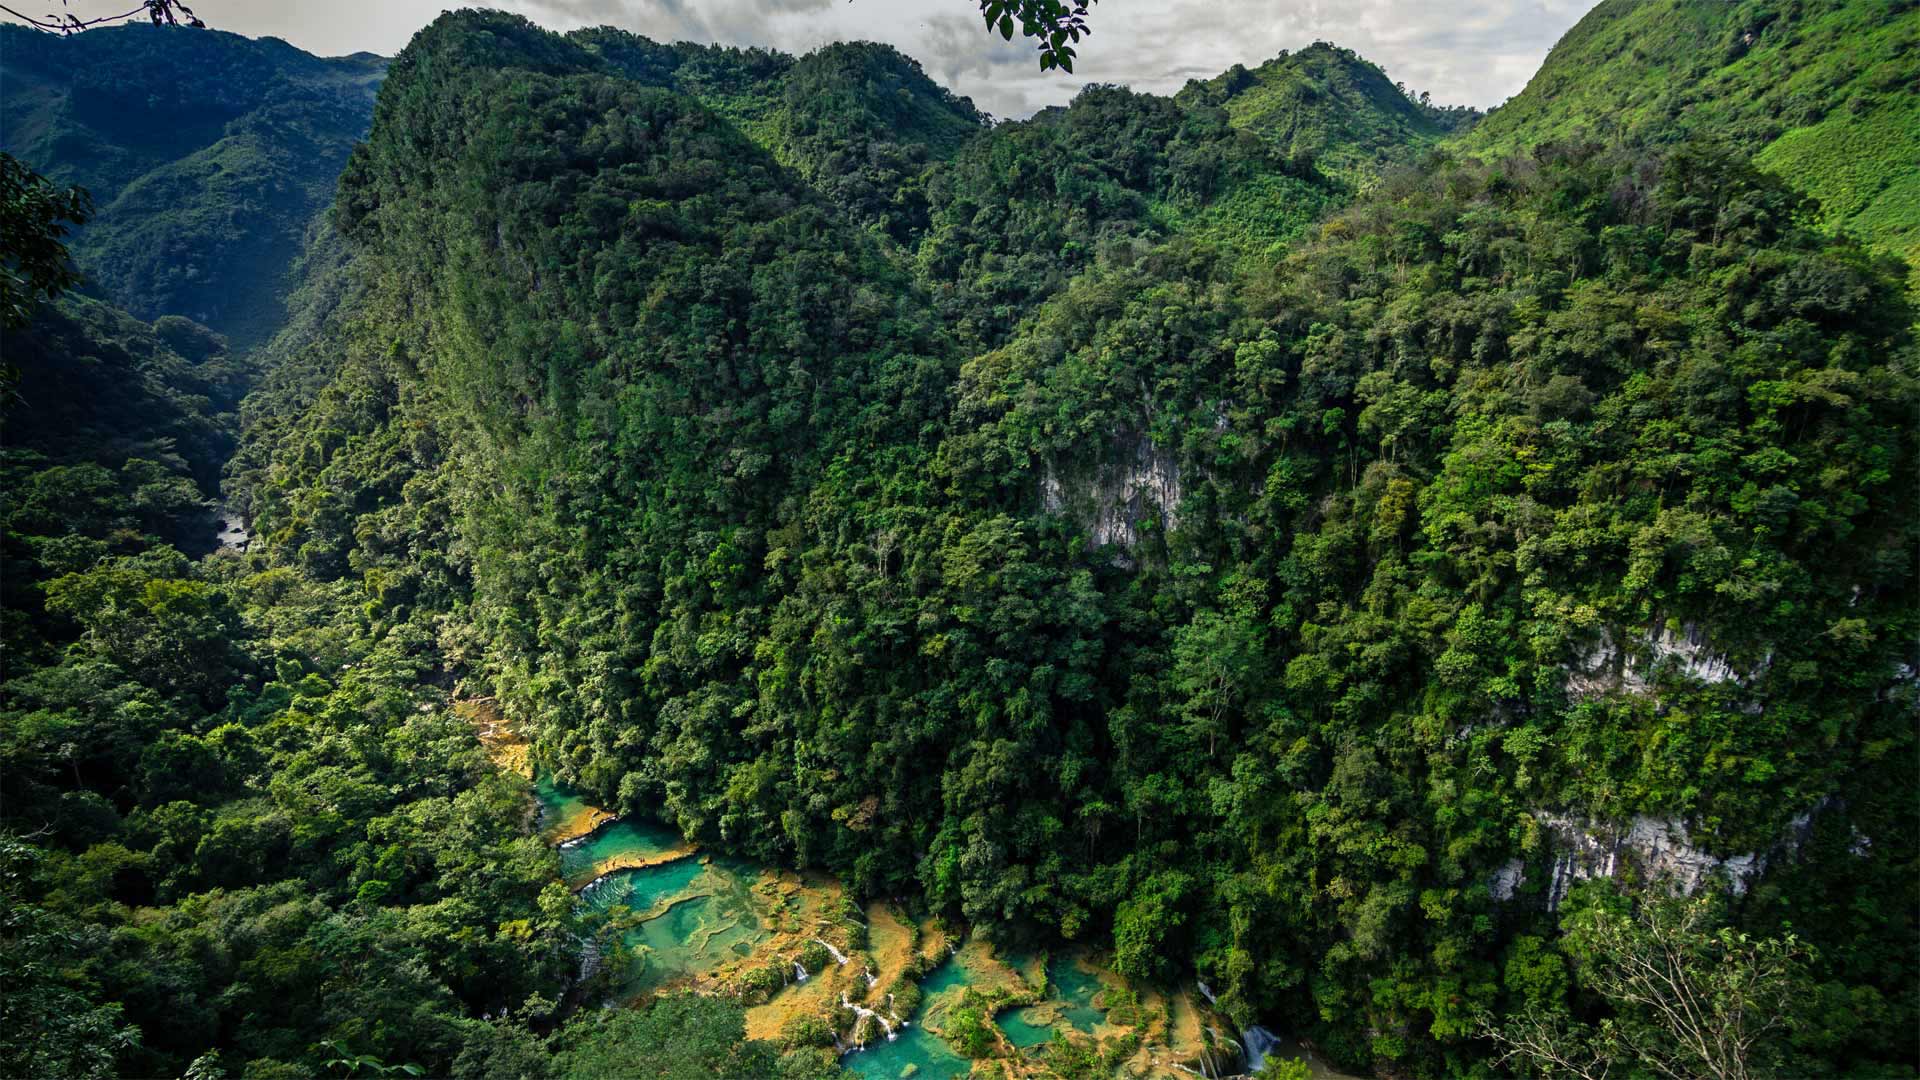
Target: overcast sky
1469	52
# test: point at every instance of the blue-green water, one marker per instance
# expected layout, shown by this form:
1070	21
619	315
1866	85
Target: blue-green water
647	890
917	1053
1073	990
624	837
1024	1027
558	805
701	912
948	976
703	917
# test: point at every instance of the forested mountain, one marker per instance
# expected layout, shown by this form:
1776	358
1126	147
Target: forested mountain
1819	91
860	122
1243	534
1327	104
207	155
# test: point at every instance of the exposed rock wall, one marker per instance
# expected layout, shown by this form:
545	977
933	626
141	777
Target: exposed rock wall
1603	666
1656	848
1139	483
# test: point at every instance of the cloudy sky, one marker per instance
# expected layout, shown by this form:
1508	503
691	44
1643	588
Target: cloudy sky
1471	52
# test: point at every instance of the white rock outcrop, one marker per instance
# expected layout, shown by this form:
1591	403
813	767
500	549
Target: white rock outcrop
1659	848
1603	666
1507	880
1141	483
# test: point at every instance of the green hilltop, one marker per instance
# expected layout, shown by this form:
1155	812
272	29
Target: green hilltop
1819	91
1327	104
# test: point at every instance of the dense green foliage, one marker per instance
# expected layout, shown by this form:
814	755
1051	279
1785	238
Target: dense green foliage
1822	91
1326	104
261	837
243	829
1106	527
36	216
762	557
207	155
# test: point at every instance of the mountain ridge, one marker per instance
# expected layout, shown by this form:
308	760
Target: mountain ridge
1819	91
205	181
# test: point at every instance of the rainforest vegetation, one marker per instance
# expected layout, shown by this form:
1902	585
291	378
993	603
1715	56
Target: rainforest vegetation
1287	536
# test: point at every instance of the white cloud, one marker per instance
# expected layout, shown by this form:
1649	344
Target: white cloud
1475	52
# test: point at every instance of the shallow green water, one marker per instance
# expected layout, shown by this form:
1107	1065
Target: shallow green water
918	1053
1024	1028
1075	988
704	917
948	976
649	889
702	911
557	804
624	837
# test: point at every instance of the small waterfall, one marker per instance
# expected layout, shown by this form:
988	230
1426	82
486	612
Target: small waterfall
865	1013
838	956
871	978
1207	992
1260	1043
799	972
598	827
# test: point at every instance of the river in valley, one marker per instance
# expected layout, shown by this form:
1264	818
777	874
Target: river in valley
688	919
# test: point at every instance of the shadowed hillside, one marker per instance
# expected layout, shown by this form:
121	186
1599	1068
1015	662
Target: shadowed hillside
207	155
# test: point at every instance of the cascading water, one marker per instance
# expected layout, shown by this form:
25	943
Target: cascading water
1207	992
589	958
799	972
838	956
1260	1043
864	1013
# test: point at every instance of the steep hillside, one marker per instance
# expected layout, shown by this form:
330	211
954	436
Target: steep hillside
1326	105
1235	583
115	434
207	155
1292	620
1821	91
1024	208
860	122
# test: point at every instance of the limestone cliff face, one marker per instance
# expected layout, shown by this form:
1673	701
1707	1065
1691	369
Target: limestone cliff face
1139	483
1605	666
1583	849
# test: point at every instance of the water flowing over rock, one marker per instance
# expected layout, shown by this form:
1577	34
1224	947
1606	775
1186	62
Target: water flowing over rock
233	535
838	956
1260	1043
799	972
863	1014
589	958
